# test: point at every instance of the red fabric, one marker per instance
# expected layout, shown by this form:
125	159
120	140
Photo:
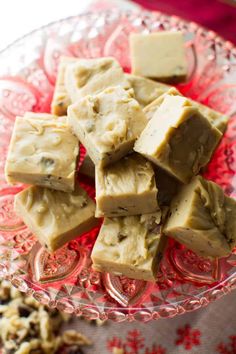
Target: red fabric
217	15
185	337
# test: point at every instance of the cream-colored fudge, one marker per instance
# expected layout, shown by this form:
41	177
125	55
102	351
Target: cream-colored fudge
107	124
159	55
87	167
55	217
61	99
178	138
132	246
126	187
90	76
42	152
46	116
151	108
217	119
146	90
203	218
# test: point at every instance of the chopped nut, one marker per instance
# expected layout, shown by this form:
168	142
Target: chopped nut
118	351
27	327
73	337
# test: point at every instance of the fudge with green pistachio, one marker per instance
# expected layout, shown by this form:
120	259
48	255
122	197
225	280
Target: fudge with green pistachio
42	152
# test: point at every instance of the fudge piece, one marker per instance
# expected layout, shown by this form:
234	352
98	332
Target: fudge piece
90	76
217	119
42	152
146	90
126	187
55	217
46	116
167	186
61	99
203	218
131	245
107	124
151	108
159	55
178	138
87	167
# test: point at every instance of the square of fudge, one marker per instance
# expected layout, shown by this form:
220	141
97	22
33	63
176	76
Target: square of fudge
178	138
217	119
107	124
90	76
203	218
159	55
126	187
131	246
42	152
61	99
152	107
146	90
46	116
55	217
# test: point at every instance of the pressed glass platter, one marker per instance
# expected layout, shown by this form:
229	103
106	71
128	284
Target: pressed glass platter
65	279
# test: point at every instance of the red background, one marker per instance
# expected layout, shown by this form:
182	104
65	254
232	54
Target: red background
219	16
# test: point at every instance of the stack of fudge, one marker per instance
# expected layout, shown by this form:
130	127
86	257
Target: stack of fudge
145	143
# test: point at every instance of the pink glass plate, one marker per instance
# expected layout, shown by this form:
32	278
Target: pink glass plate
65	280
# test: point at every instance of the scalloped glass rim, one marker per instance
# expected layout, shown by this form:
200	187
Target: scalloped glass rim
129	312
144	12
